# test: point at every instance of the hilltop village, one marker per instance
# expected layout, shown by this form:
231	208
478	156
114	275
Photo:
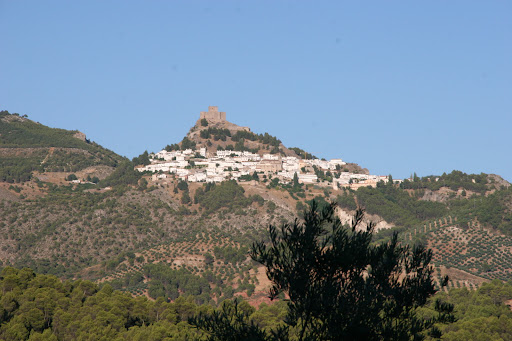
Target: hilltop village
204	165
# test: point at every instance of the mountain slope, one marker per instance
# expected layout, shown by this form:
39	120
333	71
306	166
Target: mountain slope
214	133
118	229
27	147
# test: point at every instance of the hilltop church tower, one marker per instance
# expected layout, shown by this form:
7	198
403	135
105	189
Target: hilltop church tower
213	114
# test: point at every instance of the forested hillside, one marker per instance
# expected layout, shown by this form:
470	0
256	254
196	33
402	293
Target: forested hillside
71	208
41	307
27	146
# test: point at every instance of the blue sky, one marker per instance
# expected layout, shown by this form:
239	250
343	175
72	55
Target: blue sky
396	86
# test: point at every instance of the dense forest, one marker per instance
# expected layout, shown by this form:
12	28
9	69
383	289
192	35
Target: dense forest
42	307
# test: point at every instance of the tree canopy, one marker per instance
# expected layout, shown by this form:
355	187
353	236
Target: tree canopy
340	286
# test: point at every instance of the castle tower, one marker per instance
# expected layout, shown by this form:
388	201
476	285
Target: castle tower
213	114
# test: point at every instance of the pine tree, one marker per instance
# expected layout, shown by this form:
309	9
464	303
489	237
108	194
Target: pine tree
340	286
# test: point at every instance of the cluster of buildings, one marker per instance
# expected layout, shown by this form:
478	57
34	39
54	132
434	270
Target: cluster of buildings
202	166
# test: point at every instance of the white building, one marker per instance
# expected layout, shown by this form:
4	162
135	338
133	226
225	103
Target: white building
197	177
274	157
226	153
202	152
234	164
336	162
307	178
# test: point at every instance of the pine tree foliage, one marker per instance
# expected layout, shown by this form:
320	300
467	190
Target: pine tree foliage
340	286
230	323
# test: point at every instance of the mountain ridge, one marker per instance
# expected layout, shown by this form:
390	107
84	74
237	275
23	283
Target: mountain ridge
77	228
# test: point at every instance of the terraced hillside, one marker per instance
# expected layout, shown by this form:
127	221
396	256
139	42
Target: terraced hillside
27	147
72	227
466	250
208	266
169	238
472	248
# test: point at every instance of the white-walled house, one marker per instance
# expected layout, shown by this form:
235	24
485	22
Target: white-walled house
273	157
197	177
307	178
215	169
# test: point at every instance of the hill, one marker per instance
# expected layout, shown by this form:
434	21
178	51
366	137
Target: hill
213	132
27	147
140	231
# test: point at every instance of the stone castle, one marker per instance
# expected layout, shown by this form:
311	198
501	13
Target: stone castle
213	114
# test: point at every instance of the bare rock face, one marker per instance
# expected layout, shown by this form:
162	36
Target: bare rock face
355	168
498	180
81	136
347	216
441	195
14	118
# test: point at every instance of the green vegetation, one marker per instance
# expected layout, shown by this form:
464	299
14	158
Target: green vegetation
216	133
346	200
481	314
215	283
231	254
240	146
340	287
494	210
142	159
186	143
24	133
239	137
459	230
323	176
171	147
294	188
227	194
249	177
404	206
166	282
41	307
465	246
78	227
262	138
303	154
454	181
203	250
29	146
71	177
17	169
140	241
393	204
397	206
123	175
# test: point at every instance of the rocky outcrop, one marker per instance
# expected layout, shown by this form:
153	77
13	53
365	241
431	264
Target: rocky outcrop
441	195
498	180
81	136
347	216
